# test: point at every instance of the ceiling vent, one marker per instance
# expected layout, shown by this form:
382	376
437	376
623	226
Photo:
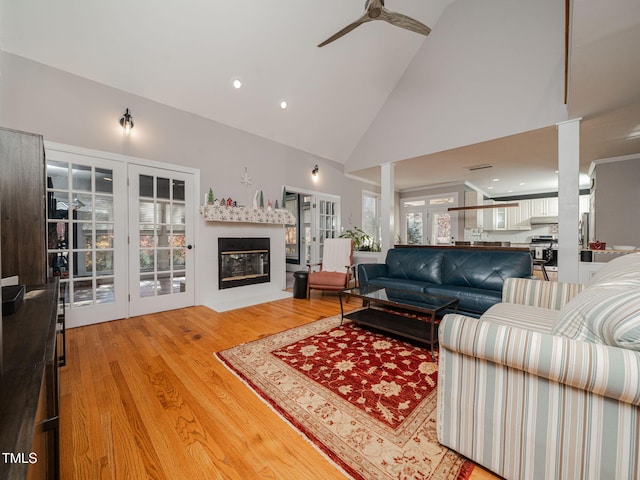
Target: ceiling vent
480	167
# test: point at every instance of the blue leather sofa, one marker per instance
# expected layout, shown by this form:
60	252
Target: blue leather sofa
473	275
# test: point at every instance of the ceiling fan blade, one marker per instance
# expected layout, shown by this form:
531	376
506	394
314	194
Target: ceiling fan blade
363	19
400	20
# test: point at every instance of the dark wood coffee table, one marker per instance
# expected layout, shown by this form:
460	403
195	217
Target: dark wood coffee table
412	315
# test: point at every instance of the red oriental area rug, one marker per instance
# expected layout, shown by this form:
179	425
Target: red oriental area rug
367	401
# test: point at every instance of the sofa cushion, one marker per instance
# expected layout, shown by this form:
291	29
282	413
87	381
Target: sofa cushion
424	265
603	314
484	269
621	271
469	299
522	316
398	283
327	279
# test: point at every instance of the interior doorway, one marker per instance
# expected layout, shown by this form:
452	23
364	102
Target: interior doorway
317	218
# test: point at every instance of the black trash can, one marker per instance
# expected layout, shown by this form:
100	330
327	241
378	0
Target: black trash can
300	279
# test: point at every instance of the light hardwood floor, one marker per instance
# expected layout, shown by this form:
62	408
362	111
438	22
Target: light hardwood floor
145	398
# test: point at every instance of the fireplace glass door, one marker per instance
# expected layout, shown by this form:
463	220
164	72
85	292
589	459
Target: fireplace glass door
243	261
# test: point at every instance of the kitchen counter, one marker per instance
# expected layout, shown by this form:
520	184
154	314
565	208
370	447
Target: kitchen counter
28	349
610	250
467	245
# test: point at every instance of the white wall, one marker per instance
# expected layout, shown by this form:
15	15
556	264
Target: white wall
616	215
71	110
477	77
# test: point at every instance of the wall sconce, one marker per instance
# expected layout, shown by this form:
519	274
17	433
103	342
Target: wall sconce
314	173
126	122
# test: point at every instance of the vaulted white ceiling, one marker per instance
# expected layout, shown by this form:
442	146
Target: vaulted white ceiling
186	53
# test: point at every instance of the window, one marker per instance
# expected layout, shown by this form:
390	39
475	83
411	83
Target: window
371	216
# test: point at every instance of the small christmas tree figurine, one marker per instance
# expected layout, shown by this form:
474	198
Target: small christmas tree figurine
261	200
210	197
284	198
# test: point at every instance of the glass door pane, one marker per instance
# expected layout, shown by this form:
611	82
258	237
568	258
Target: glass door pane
307	234
414	228
85	237
292	232
441	232
162	277
327	221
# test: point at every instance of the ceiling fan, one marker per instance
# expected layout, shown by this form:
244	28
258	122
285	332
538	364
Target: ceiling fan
374	10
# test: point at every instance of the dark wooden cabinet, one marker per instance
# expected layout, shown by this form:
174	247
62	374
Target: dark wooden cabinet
22	206
29	394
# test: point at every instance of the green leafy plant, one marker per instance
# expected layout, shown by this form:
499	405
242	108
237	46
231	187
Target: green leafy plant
362	241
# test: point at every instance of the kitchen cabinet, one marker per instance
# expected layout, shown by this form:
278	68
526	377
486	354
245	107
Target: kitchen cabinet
499	218
508	218
473	218
541	207
22	202
584	204
518	218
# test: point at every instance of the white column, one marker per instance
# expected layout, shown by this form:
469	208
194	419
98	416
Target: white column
387	206
568	200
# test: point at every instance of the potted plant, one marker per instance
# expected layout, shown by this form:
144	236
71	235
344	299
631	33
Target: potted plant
362	241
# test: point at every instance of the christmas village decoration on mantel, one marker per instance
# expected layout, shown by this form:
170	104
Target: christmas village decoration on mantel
227	210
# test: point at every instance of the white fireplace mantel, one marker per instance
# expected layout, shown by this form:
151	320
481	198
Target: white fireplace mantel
218	213
225	299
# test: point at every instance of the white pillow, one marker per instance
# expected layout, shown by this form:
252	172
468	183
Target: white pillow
623	271
607	315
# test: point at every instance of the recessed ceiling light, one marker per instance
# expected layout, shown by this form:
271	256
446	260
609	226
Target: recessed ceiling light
237	83
283	104
522	183
490	188
495	180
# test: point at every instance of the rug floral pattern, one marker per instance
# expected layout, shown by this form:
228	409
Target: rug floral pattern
367	401
386	379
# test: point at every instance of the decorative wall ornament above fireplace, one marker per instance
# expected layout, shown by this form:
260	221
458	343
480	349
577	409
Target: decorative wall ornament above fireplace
218	213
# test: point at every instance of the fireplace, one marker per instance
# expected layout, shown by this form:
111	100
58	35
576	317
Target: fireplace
243	261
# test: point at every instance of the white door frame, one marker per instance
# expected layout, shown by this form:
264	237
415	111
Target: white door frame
315	216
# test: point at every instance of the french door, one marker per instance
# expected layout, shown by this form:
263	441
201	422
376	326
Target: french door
325	223
86	235
427	221
161	236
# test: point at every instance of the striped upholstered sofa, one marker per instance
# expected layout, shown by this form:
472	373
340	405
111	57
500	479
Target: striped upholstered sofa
546	384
